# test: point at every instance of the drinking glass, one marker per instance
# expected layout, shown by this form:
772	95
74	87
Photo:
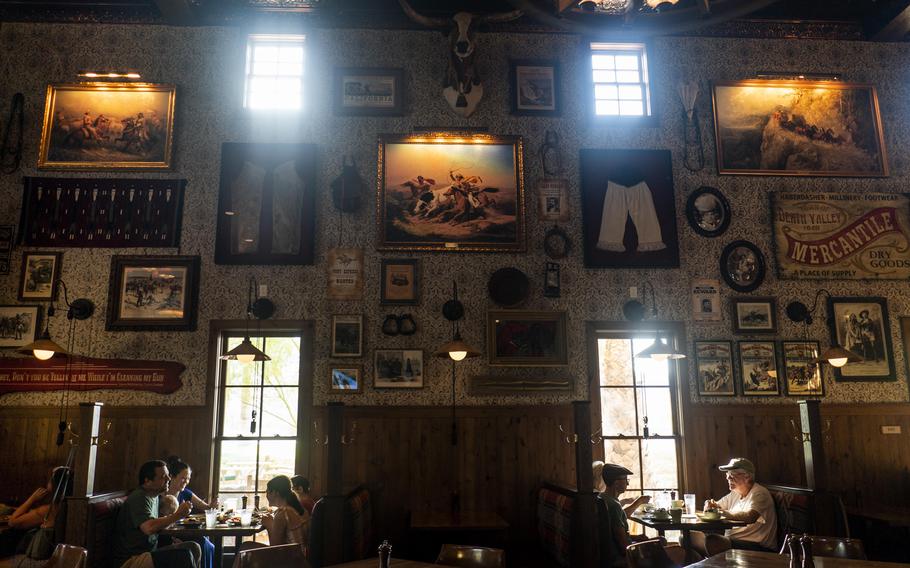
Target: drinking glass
211	518
246	517
689	498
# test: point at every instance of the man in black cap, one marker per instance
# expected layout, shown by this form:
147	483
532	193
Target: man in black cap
750	502
613	525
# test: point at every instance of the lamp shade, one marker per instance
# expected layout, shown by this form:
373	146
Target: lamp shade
660	351
43	348
456	349
837	356
246	352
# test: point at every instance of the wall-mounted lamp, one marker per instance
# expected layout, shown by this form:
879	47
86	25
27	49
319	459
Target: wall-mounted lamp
44	347
456	349
261	308
660	350
835	355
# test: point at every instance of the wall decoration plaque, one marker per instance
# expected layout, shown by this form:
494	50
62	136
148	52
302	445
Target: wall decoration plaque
861	325
714	366
706	300
553	200
345	274
76	373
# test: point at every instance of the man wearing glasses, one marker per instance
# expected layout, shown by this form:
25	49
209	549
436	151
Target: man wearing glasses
749	502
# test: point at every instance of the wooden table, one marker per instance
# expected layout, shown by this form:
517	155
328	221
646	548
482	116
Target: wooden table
431	529
748	558
686	524
215	534
396	562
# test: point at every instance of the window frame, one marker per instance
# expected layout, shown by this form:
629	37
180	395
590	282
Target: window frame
252	39
641	48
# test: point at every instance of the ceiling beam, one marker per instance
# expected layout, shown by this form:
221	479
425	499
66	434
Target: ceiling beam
177	12
892	24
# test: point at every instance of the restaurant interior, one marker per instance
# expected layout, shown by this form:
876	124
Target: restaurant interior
438	257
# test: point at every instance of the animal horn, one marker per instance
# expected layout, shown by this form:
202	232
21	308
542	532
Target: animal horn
421	19
500	17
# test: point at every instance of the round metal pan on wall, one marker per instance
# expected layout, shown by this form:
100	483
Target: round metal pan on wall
509	287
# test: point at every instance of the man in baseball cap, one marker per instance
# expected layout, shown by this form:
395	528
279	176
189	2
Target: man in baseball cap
750	502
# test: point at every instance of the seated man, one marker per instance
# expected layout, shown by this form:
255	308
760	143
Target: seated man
612	523
749	502
138	524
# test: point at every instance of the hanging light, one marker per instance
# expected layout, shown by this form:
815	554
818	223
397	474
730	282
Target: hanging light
246	352
836	356
44	347
262	309
660	351
456	349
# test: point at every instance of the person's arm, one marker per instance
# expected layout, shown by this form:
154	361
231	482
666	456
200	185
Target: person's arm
198	503
636	503
278	529
154	525
749	516
25	516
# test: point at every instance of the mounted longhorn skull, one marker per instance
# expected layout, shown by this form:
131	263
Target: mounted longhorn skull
462	88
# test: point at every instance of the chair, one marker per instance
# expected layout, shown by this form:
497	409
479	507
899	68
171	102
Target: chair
835	547
279	556
708	544
649	554
67	556
471	556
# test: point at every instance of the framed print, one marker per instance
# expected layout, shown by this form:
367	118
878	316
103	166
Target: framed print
347	336
535	87
346	380
398	369
107	126
553	200
708	212
369	91
18	325
40	274
628	209
754	315
450	192
266	212
153	293
519	338
758	368
802	373
706	300
344	267
6	246
798	128
714	366
742	265
861	325
399	283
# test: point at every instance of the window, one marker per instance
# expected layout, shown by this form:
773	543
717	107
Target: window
620	75
274	72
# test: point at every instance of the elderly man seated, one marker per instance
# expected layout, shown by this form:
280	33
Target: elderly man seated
750	502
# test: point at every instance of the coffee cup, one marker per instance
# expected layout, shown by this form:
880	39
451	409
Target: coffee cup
660	514
676	514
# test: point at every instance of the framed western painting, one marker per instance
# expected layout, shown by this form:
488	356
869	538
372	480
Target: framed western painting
104	126
40	274
18	325
754	315
450	192
266	211
153	293
714	367
628	209
369	92
802	372
758	368
534	87
742	266
398	369
519	338
861	325
346	380
347	336
399	282
798	128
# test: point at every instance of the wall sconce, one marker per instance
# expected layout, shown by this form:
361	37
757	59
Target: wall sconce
44	347
835	355
456	349
660	350
109	75
261	308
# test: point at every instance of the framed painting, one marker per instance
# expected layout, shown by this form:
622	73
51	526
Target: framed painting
861	325
451	192
398	369
369	92
628	209
107	126
798	128
708	212
266	211
40	274
399	283
519	338
758	368
714	366
153	293
6	246
802	373
346	380
18	325
742	265
754	315
534	87
347	336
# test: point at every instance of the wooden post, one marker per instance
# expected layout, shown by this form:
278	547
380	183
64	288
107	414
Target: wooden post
584	552
333	546
813	445
83	473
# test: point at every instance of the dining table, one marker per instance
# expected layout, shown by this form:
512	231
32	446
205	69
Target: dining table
752	559
395	563
686	524
216	534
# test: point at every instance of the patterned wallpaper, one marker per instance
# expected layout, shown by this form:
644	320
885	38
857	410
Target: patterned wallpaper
207	64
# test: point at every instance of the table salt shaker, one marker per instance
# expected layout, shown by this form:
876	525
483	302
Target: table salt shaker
792	542
806	543
385	554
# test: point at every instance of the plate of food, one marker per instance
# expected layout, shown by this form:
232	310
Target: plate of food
708	516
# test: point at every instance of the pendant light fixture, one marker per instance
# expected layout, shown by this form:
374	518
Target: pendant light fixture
456	349
660	350
44	347
261	309
835	355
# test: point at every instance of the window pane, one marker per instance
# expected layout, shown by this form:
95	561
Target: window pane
628	77
659	458
238	406
279	411
238	466
602	61
291	54
617	410
290	69
606	92
284	368
604	76
624	453
627	62
615	361
630	108
655	404
265	52
630	92
265	68
276	457
606	108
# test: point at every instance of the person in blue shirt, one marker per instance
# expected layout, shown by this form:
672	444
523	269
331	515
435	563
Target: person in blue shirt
179	492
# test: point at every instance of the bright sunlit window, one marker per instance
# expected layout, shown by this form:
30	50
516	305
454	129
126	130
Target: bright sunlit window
620	75
274	72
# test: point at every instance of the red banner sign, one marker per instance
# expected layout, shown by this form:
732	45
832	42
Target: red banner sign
845	243
85	373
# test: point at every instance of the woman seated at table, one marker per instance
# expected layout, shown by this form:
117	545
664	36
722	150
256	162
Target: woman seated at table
301	486
39	512
286	524
178	492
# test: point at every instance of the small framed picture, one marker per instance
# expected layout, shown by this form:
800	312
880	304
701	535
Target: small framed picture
400	281
520	338
535	87
758	368
346	380
369	91
153	293
347	336
754	315
802	374
861	325
714	365
742	265
40	273
18	325
708	212
398	368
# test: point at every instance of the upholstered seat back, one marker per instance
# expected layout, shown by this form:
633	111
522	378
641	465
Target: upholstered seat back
555	519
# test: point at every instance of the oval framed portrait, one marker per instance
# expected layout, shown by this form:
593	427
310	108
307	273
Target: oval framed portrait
708	211
556	243
742	265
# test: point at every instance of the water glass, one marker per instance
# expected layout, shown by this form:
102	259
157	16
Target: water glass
689	498
246	517
211	518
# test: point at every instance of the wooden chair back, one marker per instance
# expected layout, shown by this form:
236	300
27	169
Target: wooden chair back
832	546
471	556
68	556
649	554
279	556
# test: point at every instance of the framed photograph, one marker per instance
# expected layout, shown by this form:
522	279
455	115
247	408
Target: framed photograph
153	293
758	368
399	283
802	374
369	91
708	212
40	274
266	212
754	315
628	209
535	87
18	325
861	325
742	265
451	192
519	338
798	128
347	336
714	366
398	369
107	126
346	380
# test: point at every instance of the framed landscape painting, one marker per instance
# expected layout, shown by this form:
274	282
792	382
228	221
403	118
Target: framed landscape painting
861	325
534	87
798	128
153	293
369	92
754	315
347	336
398	368
18	325
346	380
519	338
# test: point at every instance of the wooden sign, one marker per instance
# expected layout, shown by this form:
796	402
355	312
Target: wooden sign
85	373
345	274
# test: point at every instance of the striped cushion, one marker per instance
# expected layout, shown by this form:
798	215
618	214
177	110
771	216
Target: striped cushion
554	524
